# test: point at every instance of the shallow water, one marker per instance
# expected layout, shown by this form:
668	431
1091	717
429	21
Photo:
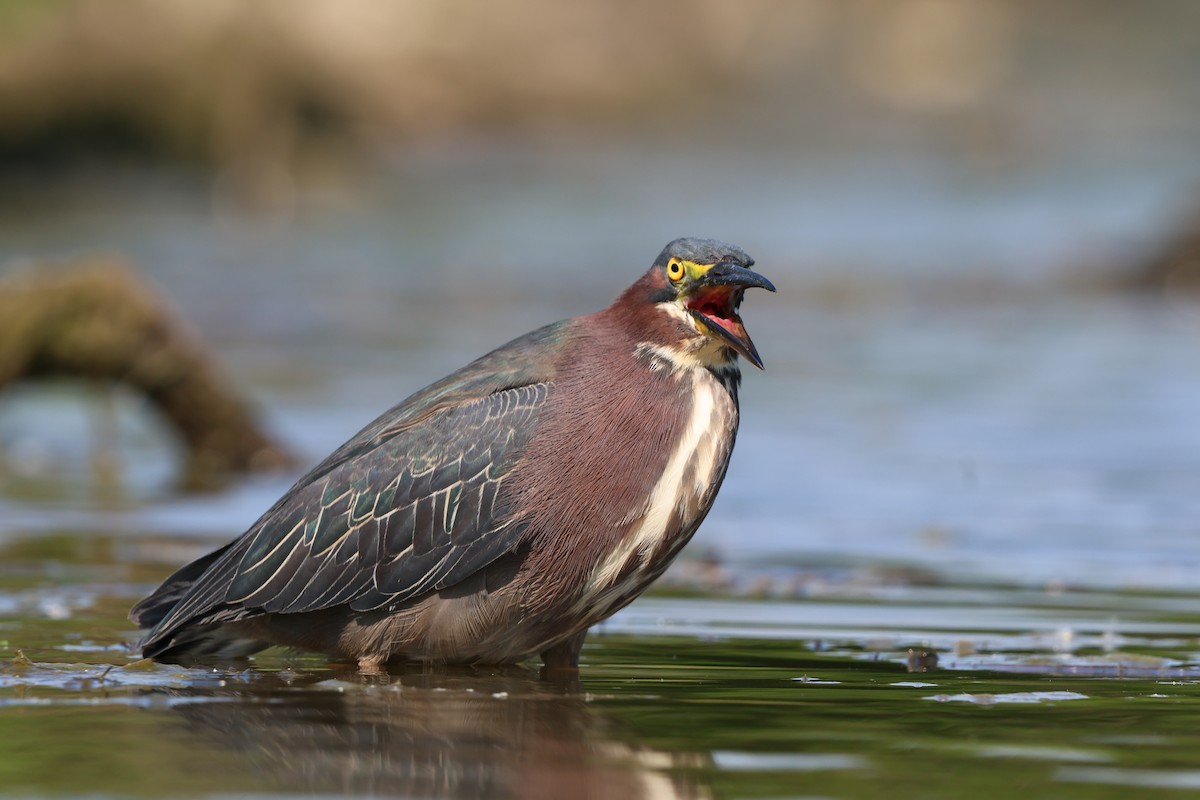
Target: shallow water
1058	694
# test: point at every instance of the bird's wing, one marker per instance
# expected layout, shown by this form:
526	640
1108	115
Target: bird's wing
411	504
418	513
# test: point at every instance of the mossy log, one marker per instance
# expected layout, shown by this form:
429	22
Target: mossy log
101	321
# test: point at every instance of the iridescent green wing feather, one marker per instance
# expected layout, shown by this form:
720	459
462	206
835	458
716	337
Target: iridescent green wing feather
411	504
419	514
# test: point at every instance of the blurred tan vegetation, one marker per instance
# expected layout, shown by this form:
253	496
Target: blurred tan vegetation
227	82
263	86
260	89
274	84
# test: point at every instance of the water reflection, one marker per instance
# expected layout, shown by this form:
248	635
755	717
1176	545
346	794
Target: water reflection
442	734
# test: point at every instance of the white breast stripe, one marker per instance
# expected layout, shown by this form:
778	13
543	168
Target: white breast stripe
695	446
695	352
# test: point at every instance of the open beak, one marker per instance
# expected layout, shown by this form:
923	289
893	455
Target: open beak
714	303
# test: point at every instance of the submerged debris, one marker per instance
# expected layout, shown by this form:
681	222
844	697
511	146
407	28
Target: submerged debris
922	660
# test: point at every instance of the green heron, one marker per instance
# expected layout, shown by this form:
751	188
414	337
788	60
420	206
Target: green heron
499	513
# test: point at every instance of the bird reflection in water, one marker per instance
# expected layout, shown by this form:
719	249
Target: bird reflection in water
499	733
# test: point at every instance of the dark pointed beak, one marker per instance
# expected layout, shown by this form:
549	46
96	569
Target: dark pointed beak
727	273
715	301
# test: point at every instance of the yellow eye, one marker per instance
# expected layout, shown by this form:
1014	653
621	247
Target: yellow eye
675	269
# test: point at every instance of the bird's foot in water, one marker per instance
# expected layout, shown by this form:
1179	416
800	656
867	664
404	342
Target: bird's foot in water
564	656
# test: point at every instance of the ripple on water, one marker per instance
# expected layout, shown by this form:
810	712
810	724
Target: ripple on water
1008	697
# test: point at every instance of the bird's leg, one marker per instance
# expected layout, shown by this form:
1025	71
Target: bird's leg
565	654
371	665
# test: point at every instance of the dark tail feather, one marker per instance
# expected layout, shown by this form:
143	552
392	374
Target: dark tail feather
202	644
150	611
